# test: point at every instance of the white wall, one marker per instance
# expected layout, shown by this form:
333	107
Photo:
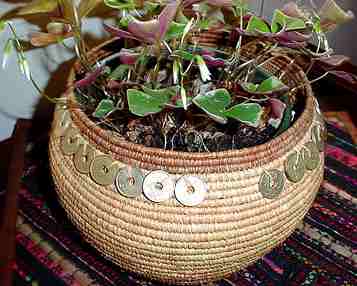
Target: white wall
18	98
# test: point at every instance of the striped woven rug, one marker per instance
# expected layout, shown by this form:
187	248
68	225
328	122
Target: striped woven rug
322	251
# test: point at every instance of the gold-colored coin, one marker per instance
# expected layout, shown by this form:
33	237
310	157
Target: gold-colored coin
84	158
62	121
317	136
129	182
295	167
311	156
271	183
70	141
103	170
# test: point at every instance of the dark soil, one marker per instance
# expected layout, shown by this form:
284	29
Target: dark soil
188	131
179	130
181	135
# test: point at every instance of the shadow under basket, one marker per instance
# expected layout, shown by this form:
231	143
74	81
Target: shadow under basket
249	200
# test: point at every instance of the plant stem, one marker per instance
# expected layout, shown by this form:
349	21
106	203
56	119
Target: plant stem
80	45
310	82
21	55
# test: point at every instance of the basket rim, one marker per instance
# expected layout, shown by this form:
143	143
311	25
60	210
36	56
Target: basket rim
113	141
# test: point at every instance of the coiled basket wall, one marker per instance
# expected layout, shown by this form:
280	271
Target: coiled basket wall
254	199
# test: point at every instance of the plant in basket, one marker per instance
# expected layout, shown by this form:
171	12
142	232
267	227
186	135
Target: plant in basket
192	139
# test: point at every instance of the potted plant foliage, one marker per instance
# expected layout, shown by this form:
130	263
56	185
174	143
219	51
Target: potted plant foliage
191	144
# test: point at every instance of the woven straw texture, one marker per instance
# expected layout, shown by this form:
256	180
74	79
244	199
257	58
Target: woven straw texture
233	227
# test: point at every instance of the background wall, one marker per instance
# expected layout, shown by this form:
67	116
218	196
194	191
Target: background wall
18	98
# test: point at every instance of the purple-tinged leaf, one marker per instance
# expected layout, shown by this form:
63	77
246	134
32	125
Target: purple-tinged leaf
292	9
334	60
220	3
148	31
245	33
119	33
145	30
128	57
292	45
294	36
166	16
217	3
113	84
332	14
277	111
291	39
348	77
90	78
213	62
277	108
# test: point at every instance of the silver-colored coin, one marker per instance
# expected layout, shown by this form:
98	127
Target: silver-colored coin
129	182
190	190
158	186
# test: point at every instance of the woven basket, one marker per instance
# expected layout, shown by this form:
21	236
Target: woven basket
236	224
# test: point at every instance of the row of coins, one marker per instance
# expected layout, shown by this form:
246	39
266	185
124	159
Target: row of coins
272	182
157	186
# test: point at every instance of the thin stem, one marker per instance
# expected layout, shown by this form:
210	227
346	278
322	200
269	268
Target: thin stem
80	45
21	55
310	82
318	43
19	48
40	91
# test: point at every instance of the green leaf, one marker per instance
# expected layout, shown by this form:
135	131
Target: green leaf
123	22
164	93
142	104
181	18
120	72
175	31
186	30
38	6
257	24
214	103
120	4
270	84
2	25
286	121
241	4
249	87
248	113
179	102
151	7
317	24
185	55
103	109
281	20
